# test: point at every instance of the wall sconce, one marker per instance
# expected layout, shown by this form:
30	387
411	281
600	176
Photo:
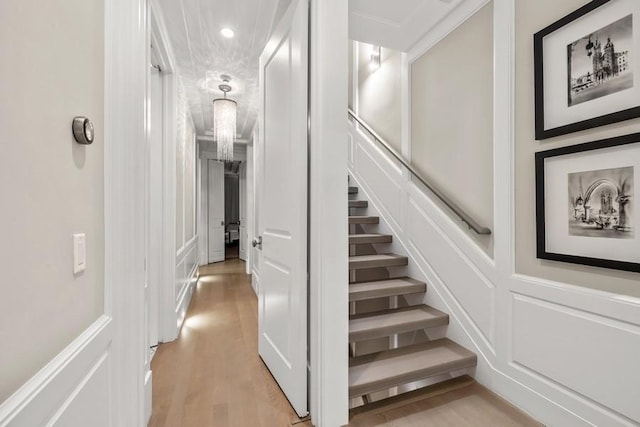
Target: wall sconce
374	59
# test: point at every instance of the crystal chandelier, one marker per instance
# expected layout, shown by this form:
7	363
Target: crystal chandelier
224	123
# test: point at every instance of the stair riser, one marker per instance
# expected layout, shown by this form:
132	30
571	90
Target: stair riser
370	240
393	330
366	220
358	204
399	291
412	377
395	262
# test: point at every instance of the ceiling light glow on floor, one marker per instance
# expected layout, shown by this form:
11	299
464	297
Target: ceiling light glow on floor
227	32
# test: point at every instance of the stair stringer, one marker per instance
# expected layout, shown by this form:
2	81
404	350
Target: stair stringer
462	328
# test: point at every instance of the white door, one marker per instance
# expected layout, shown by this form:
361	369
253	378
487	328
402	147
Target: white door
203	223
242	231
283	205
216	211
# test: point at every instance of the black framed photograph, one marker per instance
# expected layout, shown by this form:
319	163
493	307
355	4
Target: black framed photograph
587	68
586	209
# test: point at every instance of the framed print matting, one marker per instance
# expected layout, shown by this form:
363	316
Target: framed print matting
587	68
586	211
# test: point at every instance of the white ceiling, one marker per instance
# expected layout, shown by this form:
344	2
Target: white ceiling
396	24
202	54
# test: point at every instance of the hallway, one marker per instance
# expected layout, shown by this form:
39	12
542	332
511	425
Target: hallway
212	374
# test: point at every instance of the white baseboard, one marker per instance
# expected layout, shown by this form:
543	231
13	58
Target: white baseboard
71	390
255	283
185	297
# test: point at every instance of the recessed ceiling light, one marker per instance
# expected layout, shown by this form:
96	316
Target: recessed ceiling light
227	32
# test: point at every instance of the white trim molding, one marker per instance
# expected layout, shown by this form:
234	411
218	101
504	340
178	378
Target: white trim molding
328	263
166	298
72	386
179	272
126	47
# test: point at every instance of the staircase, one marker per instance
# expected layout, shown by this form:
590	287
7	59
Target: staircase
372	283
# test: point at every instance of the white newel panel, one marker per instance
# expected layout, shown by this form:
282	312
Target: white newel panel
72	390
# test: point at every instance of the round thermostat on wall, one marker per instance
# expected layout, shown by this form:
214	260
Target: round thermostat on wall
83	130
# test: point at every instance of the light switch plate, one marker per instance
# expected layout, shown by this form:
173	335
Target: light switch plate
79	253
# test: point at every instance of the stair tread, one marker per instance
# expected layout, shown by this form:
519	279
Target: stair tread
353	190
395	321
385	288
389	368
363	219
355	239
377	260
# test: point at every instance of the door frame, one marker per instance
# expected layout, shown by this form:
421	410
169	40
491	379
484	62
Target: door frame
242	212
328	244
203	209
159	36
130	27
212	164
126	72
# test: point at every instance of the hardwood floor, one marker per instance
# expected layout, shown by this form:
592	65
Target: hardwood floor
212	375
459	402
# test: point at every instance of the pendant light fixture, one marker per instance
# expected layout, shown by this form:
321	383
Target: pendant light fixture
224	122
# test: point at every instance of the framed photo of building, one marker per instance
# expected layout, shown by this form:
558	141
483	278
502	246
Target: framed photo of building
587	68
586	203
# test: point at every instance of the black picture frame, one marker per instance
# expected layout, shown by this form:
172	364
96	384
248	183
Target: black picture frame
541	132
541	226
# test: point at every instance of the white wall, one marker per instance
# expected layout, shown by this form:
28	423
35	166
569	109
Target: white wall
452	117
51	187
377	98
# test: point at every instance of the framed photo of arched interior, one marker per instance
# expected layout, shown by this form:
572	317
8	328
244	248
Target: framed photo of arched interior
586	203
587	68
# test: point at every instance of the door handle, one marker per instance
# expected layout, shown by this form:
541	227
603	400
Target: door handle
257	242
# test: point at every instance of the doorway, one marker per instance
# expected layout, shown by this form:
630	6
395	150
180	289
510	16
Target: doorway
232	210
223	207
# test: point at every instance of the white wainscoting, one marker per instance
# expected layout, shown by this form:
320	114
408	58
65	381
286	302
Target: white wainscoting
542	328
71	390
568	355
186	279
